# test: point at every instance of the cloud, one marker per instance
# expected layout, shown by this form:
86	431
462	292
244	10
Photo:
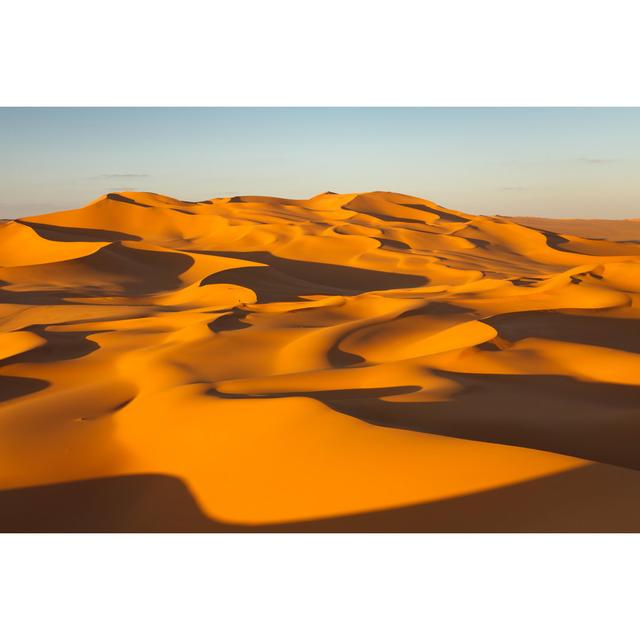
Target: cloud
118	176
596	160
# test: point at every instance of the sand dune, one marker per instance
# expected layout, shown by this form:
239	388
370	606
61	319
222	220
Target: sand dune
348	362
617	230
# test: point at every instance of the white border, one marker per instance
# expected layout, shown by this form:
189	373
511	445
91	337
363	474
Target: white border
335	52
318	587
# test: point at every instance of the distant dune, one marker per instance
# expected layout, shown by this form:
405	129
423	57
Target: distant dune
617	230
350	362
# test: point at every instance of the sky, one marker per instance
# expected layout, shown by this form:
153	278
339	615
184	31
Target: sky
555	162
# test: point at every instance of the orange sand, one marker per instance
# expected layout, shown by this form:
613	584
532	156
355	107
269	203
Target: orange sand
294	360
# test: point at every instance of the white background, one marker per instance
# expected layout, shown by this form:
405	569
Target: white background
334	52
496	53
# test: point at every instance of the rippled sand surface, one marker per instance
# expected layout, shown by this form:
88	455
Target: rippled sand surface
351	362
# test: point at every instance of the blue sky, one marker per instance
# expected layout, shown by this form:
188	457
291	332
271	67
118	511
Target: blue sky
565	162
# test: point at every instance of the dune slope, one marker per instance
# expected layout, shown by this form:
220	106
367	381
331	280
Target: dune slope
366	361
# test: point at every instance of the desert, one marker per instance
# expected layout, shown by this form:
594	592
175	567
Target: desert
350	362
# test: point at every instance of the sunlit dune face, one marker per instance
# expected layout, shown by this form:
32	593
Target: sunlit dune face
297	360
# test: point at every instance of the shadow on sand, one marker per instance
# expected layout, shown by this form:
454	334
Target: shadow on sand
593	498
